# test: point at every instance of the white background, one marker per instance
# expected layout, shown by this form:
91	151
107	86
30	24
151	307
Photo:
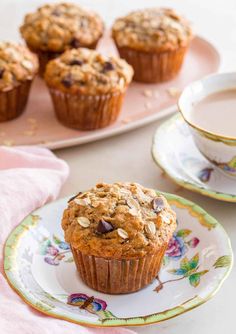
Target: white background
127	157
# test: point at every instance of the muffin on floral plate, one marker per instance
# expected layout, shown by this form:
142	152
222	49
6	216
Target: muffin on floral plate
53	28
18	67
118	234
87	88
154	41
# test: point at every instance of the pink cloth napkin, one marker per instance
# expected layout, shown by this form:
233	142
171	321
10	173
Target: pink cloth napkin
29	178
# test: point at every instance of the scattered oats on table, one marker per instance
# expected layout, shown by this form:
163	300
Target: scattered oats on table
148	105
32	120
147	93
126	120
174	91
156	94
44	142
8	142
33	123
29	133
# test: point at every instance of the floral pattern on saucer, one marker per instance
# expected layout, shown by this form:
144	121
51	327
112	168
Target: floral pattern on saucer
186	166
229	166
198	260
178	245
55	250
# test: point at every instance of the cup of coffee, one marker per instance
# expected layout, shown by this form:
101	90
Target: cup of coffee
209	108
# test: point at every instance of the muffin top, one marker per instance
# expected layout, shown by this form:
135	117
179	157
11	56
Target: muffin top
56	27
88	72
120	220
154	29
17	64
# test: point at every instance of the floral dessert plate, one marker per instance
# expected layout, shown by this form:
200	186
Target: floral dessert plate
39	267
174	150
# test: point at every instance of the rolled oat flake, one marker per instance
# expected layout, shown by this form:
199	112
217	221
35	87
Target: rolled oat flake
83	221
82	201
122	233
150	228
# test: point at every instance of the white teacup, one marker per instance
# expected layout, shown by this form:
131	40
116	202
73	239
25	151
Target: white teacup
219	149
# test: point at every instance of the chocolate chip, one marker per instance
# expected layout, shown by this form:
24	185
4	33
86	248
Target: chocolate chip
73	197
131	24
75	43
81	83
76	62
158	204
104	227
102	79
83	22
108	66
67	81
56	12
1	72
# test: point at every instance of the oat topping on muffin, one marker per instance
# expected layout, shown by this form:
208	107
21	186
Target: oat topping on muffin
154	29
88	72
120	220
54	27
17	64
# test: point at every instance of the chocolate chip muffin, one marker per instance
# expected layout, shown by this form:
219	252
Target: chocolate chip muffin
87	88
154	41
118	235
53	28
18	67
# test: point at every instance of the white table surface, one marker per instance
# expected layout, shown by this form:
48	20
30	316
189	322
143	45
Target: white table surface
127	157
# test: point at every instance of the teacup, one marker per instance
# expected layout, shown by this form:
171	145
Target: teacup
218	147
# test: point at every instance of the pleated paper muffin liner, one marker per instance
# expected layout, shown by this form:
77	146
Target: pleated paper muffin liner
151	67
13	102
115	276
86	112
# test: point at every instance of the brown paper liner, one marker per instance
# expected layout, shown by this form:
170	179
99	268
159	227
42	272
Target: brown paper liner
151	67
118	276
86	112
45	56
13	102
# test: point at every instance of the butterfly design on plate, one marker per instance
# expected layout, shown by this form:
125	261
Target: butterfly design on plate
83	301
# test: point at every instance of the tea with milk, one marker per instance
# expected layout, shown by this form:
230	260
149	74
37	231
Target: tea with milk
216	113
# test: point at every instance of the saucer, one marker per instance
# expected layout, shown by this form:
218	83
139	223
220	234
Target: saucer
39	266
174	150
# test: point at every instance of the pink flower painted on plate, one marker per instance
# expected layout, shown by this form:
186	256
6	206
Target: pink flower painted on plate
52	261
51	250
193	242
176	248
178	244
54	251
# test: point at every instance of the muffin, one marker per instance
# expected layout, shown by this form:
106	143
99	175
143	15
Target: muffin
154	41
118	235
87	88
18	67
56	27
